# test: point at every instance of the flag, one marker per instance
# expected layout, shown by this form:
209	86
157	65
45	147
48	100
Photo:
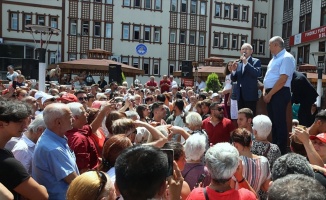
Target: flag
58	54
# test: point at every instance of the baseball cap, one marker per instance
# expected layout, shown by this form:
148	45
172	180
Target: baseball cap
68	97
321	137
215	95
47	97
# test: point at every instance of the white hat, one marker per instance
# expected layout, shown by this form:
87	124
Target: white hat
39	94
47	97
215	95
107	91
174	86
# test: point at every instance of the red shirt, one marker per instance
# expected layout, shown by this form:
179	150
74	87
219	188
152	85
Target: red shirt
241	194
151	84
165	88
80	141
220	132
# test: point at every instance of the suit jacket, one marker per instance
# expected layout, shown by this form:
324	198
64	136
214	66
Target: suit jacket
248	79
302	90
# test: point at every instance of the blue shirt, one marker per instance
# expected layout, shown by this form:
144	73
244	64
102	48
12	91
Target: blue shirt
53	161
282	63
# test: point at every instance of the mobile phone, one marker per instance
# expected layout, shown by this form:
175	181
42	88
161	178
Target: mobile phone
200	179
170	154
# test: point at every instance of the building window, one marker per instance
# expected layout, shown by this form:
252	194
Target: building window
303	54
147	33
225	40
83	56
73	27
234	42
202	8
54	22
201	39
27	20
157	34
52	57
244	13
147	4
108	1
125	60
192	38
156	67
256	19
287	29
13	21
182	37
158	5
174	5
136	32
125	31
183	6
288	5
135	62
146	66
193	7
85	28
254	46
126	3
227	10
216	42
321	49
305	23
172	36
136	3
217	9
108	30
98	1
323	16
72	56
261	47
263	20
235	12
243	39
171	69
41	20
97	29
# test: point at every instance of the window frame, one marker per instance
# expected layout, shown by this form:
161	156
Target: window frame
97	25
159	31
216	37
160	4
226	36
236	9
149	33
261	47
236	39
201	41
85	27
139	3
173	32
201	8
184	5
174	3
125	2
156	62
256	16
244	13
150	4
123	31
106	30
134	64
147	72
192	5
50	21
220	10
262	21
73	23
183	37
38	20
24	20
228	11
192	35
134	32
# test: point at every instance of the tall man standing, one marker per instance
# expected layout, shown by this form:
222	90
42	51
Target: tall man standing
277	93
246	73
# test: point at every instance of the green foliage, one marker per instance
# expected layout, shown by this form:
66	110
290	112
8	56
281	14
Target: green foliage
213	83
123	78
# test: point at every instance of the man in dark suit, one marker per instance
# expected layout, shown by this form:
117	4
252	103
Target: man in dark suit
305	94
246	73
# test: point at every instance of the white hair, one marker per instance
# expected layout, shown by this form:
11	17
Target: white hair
194	119
52	112
36	123
278	40
195	147
222	160
75	108
263	125
132	114
247	45
100	95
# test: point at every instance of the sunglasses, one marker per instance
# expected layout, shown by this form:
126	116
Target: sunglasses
103	181
82	98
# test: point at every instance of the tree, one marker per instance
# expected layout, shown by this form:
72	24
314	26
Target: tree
213	83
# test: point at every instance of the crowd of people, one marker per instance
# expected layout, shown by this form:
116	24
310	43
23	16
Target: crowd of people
110	141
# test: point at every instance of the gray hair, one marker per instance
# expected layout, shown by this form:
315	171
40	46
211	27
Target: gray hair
36	123
52	112
278	40
222	160
132	114
247	45
75	108
194	119
263	125
195	147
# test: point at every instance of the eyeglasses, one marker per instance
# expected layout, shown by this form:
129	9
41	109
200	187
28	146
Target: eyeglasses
103	181
82	98
219	108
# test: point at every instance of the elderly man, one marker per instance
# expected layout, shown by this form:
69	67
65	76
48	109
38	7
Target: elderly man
246	73
54	164
165	84
277	95
218	127
222	161
151	84
173	82
24	149
14	118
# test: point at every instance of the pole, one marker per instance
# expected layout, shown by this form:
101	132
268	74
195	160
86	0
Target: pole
319	86
41	69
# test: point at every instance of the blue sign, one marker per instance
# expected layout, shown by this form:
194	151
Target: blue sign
141	49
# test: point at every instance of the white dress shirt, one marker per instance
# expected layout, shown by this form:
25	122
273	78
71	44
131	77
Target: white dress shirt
23	151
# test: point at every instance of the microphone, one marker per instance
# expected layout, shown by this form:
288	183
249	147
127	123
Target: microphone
244	54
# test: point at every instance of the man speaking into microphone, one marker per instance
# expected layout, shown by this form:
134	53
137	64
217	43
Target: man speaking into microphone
245	72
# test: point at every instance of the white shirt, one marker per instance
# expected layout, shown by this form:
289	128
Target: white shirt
111	174
23	151
187	108
200	86
173	83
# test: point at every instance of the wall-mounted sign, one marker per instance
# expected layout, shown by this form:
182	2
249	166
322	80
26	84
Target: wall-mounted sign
308	36
141	49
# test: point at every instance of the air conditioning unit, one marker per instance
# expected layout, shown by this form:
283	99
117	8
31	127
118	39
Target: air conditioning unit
116	58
